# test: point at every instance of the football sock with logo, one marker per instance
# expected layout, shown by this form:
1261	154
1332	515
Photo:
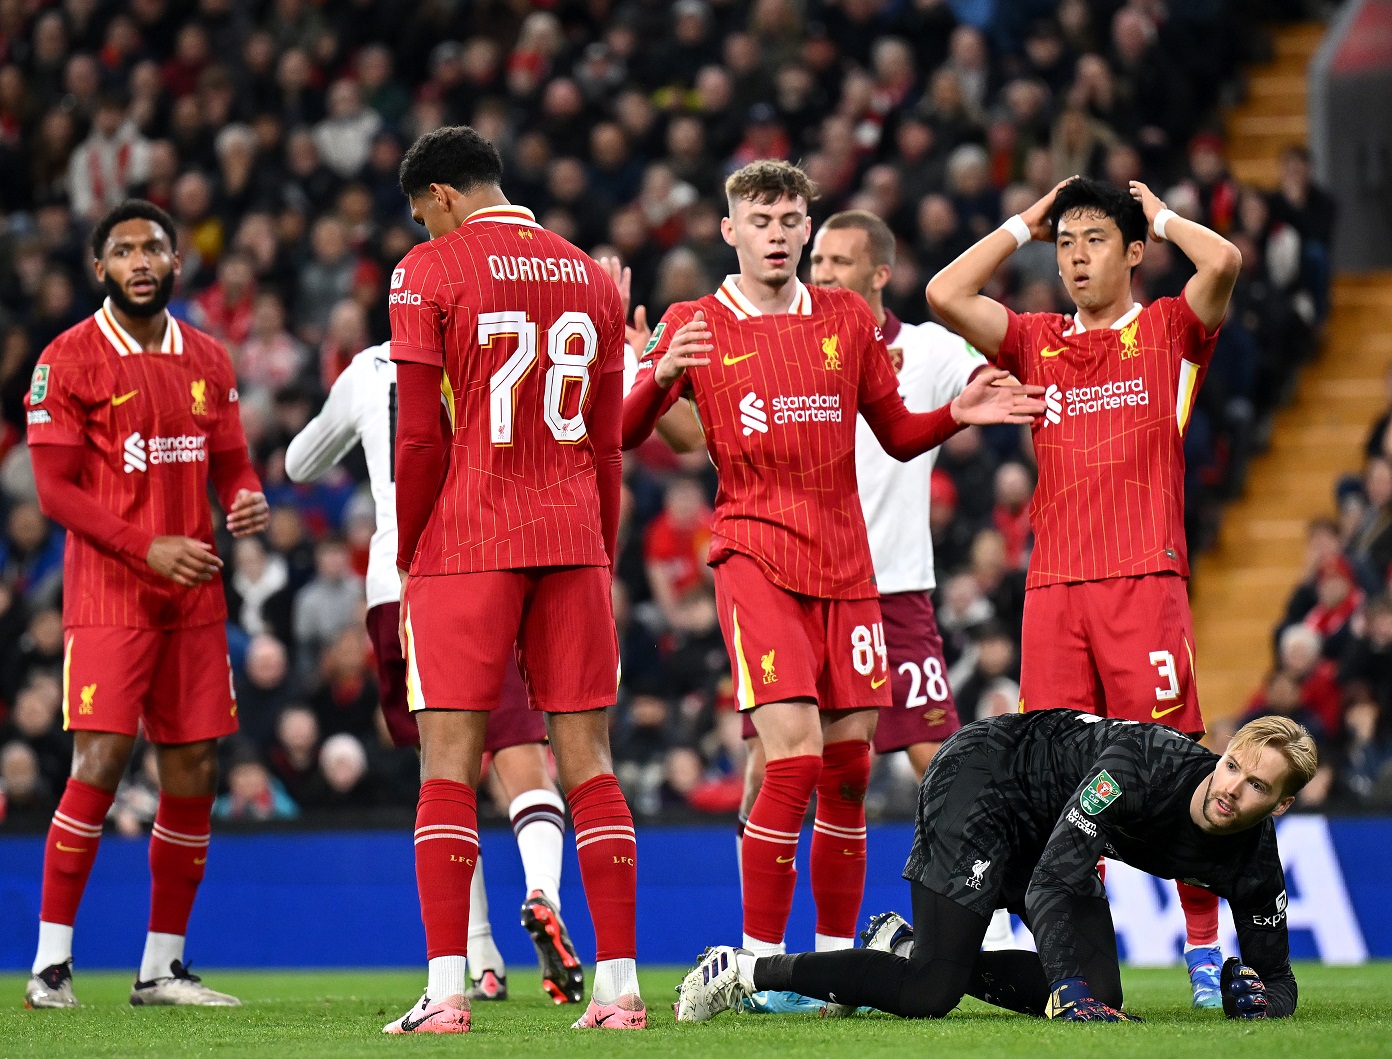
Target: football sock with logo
538	821
838	842
483	951
1200	916
446	850
767	871
178	859
608	855
69	852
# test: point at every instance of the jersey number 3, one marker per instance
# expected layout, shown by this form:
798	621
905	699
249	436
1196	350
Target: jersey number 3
566	364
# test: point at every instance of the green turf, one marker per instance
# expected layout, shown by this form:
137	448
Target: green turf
1343	1012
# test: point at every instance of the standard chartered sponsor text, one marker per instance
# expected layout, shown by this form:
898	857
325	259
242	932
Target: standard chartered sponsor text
1127	392
808	408
184	448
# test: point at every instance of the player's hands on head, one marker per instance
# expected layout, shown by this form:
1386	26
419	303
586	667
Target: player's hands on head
1151	203
689	349
183	560
1072	1001
993	397
1037	216
250	513
1244	993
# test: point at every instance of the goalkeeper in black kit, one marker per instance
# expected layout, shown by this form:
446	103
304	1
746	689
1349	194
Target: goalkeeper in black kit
1015	813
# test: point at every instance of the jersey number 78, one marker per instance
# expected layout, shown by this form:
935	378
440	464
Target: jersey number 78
565	365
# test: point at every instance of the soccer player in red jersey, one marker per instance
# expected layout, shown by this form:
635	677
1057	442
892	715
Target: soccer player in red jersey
1107	628
130	415
777	372
508	343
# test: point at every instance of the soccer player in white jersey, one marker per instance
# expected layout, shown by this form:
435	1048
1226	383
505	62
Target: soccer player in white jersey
361	407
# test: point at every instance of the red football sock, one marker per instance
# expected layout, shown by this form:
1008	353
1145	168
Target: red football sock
71	850
838	837
446	851
767	871
608	853
178	858
1200	914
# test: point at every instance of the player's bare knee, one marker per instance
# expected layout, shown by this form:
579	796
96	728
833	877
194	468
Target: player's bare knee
188	770
100	758
789	729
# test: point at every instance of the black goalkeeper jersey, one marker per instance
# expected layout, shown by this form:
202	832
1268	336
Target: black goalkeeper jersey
1016	811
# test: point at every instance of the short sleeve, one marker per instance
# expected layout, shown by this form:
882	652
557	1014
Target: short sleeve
1189	339
1011	355
418	308
58	402
227	433
877	377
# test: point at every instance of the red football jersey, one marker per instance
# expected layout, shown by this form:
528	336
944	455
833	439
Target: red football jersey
149	422
1110	447
778	402
521	322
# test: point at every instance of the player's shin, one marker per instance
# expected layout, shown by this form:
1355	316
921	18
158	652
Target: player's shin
178	859
446	852
608	853
69	852
838	842
767	870
538	821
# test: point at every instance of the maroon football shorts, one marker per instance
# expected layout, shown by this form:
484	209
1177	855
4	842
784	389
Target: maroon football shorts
1120	648
923	710
513	723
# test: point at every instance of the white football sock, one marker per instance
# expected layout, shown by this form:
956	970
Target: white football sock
999	935
483	952
613	979
538	821
831	943
744	962
55	946
447	978
763	948
160	951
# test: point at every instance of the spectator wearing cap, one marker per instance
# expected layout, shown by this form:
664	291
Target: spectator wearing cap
108	163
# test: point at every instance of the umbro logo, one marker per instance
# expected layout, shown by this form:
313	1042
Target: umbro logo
752	414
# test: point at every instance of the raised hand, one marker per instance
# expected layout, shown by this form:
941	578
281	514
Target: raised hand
623	279
1151	204
1037	216
183	560
638	333
689	349
994	397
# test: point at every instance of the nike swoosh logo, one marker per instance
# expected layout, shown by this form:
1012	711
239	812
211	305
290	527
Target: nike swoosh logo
71	849
1053	352
849	853
785	860
407	1026
728	360
200	860
123	398
601	1021
1156	713
878	683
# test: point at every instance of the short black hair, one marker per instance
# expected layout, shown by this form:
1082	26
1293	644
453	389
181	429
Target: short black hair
455	155
1098	198
130	210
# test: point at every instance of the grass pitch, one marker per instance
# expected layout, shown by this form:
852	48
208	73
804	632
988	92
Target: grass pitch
1343	1012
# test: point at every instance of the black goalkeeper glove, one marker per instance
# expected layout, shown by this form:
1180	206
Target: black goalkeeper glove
1244	994
1070	999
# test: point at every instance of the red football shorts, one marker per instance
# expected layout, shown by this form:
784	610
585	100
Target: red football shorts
462	630
786	646
175	682
1121	648
923	709
511	724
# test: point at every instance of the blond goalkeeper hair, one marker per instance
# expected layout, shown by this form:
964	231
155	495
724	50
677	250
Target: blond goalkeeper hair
768	180
1291	740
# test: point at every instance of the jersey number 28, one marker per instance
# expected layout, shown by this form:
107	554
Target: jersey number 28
565	365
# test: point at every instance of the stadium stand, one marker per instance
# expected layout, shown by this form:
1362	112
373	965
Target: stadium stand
272	132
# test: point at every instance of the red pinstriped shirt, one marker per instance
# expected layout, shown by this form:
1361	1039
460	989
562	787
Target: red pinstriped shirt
523	324
778	402
150	423
1110	447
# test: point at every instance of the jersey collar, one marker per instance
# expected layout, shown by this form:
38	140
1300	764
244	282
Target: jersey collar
892	326
730	296
507	214
1121	321
124	344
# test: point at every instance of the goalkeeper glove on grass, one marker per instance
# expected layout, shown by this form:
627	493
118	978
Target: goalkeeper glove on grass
1244	994
1071	1000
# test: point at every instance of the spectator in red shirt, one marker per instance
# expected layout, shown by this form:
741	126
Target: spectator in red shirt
225	309
676	544
1010	516
1301	648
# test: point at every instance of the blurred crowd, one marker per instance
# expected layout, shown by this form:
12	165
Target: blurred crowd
272	130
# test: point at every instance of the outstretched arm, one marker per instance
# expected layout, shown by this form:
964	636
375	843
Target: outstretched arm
955	292
1216	261
327	437
988	398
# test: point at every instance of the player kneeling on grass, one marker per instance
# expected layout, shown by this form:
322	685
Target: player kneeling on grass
1014	813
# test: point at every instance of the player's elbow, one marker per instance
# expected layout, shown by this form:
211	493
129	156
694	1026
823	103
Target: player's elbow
1229	263
939	293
